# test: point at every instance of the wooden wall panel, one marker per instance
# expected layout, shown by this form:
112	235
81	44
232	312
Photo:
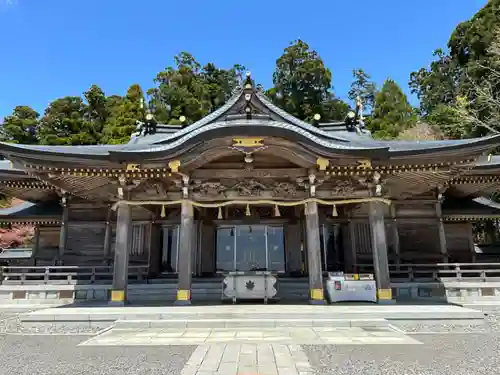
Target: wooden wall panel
85	243
87	212
49	245
419	242
458	243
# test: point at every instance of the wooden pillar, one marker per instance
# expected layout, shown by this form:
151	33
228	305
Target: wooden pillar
395	236
155	249
350	247
107	236
472	246
207	248
292	243
36	243
63	234
186	245
379	245
316	295
122	251
441	233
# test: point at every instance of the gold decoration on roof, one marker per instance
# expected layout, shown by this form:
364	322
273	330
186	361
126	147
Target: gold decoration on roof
248	142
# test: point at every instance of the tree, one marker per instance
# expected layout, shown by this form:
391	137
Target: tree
123	114
468	71
18	235
97	110
421	131
303	84
362	87
392	113
65	123
190	90
450	120
21	126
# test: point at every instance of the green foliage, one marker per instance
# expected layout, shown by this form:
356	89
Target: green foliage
21	126
362	87
65	123
97	110
471	70
122	115
392	113
190	90
303	84
450	121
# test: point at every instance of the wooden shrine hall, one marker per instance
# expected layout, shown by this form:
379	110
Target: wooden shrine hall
252	188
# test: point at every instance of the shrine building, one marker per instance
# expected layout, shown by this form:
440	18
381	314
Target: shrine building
251	188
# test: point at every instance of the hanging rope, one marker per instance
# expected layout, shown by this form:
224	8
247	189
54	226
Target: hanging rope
253	202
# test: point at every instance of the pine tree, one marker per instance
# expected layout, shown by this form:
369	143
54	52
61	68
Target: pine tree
392	113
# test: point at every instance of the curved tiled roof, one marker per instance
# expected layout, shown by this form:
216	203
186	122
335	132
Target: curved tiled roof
228	121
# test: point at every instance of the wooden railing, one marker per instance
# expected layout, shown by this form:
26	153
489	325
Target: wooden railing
104	274
66	274
439	271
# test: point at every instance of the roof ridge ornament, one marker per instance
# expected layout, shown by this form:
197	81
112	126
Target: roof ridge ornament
354	119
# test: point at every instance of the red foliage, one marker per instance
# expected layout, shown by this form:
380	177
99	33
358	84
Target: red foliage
18	236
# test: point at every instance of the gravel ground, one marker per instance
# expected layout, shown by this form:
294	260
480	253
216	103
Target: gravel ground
467	354
54	355
491	324
470	350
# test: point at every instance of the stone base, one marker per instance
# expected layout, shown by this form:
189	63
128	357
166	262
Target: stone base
386	301
317	302
117	303
182	303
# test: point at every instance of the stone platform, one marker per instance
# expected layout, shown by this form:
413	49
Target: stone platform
240	316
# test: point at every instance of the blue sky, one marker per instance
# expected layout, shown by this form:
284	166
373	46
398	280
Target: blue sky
54	48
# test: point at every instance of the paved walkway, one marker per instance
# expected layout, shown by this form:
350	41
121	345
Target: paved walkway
284	335
248	359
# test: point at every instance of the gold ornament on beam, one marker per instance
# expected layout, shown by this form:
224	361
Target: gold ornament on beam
322	163
334	211
219	214
277	211
248	212
163	211
489	158
174	165
132	167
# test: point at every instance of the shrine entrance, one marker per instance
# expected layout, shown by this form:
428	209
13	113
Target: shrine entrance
250	248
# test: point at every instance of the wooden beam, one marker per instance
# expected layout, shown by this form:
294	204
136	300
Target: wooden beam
256	173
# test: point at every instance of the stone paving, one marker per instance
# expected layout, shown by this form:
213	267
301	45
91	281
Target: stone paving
261	359
283	335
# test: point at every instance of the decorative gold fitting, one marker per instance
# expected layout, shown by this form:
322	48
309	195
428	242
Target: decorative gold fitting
248	142
163	211
322	163
132	167
174	165
364	164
